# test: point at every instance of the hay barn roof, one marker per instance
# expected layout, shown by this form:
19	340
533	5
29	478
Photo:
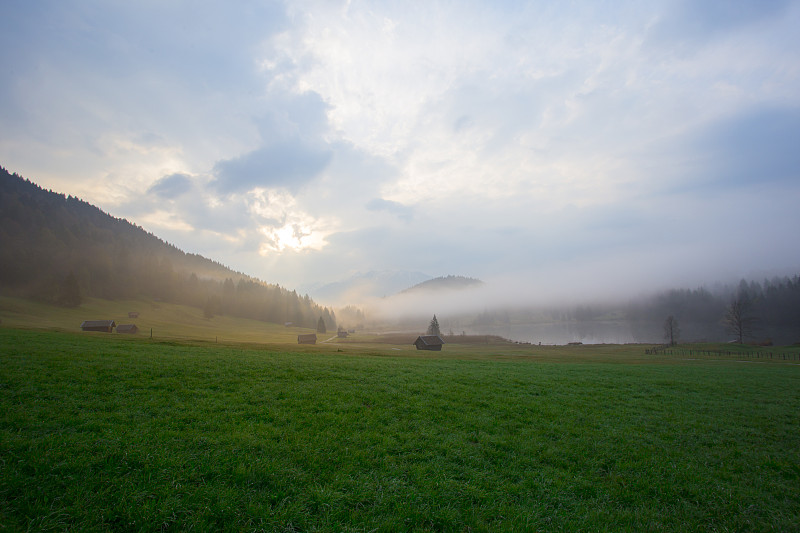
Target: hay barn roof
431	340
98	324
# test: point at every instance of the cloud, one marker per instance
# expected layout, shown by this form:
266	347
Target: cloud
293	117
172	186
745	150
193	42
283	164
754	147
686	24
399	210
293	146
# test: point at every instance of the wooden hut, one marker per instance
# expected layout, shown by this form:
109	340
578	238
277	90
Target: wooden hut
127	328
429	342
133	314
307	338
106	326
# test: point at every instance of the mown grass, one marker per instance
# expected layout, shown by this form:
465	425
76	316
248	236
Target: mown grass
109	433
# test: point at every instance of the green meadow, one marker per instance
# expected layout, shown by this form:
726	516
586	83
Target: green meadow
164	320
108	432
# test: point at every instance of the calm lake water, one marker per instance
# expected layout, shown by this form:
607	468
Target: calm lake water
596	332
621	332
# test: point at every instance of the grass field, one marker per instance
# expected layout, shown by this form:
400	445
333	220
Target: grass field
165	321
106	432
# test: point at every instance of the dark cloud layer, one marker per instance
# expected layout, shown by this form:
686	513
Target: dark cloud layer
399	210
201	42
171	186
751	148
283	164
756	147
688	23
293	150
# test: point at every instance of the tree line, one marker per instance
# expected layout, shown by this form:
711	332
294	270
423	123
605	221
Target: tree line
59	249
750	311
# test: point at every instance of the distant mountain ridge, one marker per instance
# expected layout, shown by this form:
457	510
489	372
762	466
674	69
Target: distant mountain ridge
365	285
374	284
444	283
58	249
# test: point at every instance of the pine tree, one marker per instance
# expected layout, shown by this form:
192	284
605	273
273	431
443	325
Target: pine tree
433	327
321	326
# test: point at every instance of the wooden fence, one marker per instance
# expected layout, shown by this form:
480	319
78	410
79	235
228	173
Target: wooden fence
749	355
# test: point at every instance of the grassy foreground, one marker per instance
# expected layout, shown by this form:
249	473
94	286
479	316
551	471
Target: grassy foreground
101	432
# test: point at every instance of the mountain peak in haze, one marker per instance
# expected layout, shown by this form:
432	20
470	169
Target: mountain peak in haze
365	286
444	283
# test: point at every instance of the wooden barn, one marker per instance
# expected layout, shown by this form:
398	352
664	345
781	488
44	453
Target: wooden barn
429	342
342	334
307	338
106	326
133	314
127	328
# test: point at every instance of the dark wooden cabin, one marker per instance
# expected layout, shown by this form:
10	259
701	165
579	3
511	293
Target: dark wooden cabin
106	326
307	338
429	342
127	328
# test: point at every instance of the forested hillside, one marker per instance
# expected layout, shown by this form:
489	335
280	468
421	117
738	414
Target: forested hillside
60	249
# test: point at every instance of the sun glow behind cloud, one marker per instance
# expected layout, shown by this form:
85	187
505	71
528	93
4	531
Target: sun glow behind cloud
287	227
296	237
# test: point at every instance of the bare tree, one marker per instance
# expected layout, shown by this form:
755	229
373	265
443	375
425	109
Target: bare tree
739	318
671	330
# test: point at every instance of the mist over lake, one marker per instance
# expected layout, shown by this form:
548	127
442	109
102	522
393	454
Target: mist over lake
563	333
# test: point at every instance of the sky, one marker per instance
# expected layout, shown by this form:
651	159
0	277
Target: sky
549	147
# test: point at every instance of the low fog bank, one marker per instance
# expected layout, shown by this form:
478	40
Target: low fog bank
364	287
560	284
543	293
593	310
